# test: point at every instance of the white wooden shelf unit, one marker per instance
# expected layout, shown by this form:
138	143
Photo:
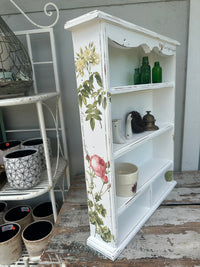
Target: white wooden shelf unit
106	51
59	166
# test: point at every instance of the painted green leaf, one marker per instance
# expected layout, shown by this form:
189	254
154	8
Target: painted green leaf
169	176
90	204
86	87
89	106
84	93
97	197
94	94
79	88
104	103
100	99
80	100
99	220
98	78
89	116
89	110
84	100
97	112
97	117
91	80
92	123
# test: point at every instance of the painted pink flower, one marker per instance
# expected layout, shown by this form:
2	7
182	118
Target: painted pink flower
98	165
88	157
105	179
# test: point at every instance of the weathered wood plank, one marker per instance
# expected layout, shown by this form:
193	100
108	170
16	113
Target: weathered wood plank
187	179
171	237
157	262
176	228
183	196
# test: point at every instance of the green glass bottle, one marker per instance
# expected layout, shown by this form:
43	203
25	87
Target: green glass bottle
157	73
137	76
145	71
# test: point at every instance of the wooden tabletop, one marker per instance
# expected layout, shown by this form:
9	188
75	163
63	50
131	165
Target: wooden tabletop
171	237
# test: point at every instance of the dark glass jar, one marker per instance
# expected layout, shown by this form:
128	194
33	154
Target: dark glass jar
137	76
145	71
157	73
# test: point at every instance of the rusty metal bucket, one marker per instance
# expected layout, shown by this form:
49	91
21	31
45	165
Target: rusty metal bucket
36	236
10	243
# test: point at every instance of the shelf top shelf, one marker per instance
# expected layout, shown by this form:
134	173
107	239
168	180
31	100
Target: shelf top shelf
101	16
8	193
26	99
140	87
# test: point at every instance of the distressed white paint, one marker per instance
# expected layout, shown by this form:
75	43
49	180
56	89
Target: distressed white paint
191	137
125	218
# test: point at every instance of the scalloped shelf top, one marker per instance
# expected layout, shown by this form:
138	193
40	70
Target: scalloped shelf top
101	16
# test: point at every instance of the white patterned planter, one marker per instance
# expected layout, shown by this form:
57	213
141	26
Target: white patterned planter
38	144
23	168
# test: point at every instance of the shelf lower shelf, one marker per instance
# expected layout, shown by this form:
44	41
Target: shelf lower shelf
139	139
148	172
8	193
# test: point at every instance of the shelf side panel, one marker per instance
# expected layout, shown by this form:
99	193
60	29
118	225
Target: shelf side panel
94	106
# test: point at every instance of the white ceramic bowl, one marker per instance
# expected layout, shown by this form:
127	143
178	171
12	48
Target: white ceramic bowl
126	175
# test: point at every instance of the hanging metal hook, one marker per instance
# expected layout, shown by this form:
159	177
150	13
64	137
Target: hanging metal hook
47	13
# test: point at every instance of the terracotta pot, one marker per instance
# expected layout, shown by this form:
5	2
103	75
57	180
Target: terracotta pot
43	211
23	168
36	236
38	144
126	175
3	207
7	147
10	243
21	214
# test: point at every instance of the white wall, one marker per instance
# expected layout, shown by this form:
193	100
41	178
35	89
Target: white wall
191	140
169	18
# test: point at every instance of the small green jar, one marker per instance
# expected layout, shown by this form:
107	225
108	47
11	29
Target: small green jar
137	76
145	71
157	73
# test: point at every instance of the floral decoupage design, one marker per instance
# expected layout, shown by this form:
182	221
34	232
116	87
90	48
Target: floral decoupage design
90	90
92	102
98	169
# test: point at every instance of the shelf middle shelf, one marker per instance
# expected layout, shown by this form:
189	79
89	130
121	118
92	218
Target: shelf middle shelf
139	139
